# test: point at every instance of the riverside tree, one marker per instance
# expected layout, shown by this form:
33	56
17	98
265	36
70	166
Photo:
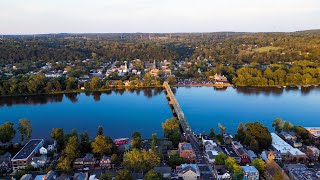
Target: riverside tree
25	129
7	132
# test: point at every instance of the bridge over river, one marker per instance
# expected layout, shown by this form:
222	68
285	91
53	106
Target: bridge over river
201	161
176	108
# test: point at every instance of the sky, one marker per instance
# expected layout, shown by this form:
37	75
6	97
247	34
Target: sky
151	16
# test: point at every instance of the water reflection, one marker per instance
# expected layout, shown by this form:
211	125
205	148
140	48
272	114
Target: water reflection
274	91
73	97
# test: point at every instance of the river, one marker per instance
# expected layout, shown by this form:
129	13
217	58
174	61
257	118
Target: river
123	112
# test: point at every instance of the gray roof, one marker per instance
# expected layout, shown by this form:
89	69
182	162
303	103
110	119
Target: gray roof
28	149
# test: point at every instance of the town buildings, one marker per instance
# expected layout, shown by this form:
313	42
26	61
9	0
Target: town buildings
314	134
300	172
287	151
24	156
188	171
186	152
250	173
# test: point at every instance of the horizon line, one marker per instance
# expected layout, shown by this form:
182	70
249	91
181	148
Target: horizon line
190	32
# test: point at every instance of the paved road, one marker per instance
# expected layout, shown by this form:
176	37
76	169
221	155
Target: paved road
197	149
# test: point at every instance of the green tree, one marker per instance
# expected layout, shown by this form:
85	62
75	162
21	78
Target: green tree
154	140
172	130
240	133
260	165
7	132
71	83
100	130
123	174
95	83
85	145
25	129
220	158
277	124
102	145
106	176
175	160
136	140
58	135
152	175
72	149
254	145
211	133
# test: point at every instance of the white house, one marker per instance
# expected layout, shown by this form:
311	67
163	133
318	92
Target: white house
189	171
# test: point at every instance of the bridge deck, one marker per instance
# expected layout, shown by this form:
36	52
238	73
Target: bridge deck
180	115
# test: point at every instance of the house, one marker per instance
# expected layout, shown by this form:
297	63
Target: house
43	151
209	144
87	161
312	153
227	138
241	152
63	176
211	155
39	161
287	151
186	152
252	155
220	172
272	168
230	152
105	162
51	175
314	134
220	79
27	177
165	171
188	171
80	176
250	173
5	163
271	155
300	171
24	156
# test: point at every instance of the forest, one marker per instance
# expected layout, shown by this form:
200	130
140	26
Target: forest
247	59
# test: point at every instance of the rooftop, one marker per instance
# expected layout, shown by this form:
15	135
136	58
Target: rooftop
28	149
185	146
212	153
315	131
249	169
282	146
192	167
300	171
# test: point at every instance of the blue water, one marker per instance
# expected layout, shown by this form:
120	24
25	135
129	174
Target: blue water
119	114
205	107
122	113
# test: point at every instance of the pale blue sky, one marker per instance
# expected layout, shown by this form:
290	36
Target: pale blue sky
76	16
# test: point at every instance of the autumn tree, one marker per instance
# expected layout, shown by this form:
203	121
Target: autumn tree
152	175
123	174
102	145
72	149
141	160
7	132
25	129
260	165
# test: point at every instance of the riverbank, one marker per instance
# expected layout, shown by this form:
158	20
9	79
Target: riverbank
204	85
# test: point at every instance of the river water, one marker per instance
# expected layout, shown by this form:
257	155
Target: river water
123	112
